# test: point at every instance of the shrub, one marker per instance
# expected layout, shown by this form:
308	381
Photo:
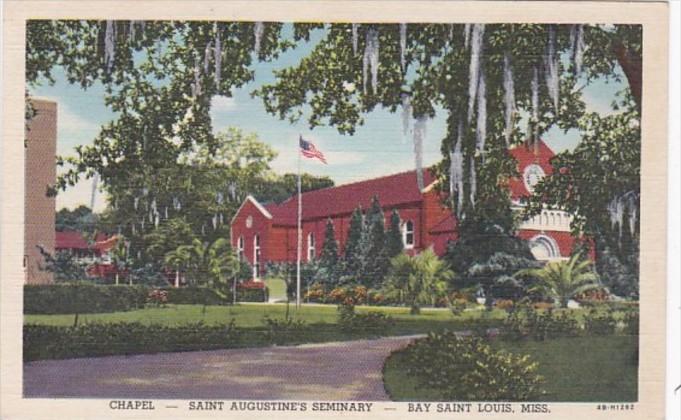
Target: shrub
631	323
526	322
504	304
82	298
603	323
252	291
157	297
371	322
468	369
279	330
90	340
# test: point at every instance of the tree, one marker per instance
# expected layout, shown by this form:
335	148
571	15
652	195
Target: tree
496	276
599	183
417	280
394	245
483	76
330	267
209	264
372	246
478	245
81	219
563	280
64	266
283	187
353	252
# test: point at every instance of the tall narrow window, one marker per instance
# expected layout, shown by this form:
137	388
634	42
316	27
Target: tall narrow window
256	256
240	248
408	234
310	246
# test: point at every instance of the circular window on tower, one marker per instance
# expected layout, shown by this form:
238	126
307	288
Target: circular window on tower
249	222
533	174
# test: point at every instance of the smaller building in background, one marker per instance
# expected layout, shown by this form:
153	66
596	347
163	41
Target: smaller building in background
95	254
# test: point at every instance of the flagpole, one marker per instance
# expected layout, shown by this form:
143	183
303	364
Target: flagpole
300	232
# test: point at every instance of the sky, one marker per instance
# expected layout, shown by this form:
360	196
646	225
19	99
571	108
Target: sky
377	148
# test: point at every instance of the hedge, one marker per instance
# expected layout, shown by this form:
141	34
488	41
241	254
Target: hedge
90	340
82	298
92	298
252	295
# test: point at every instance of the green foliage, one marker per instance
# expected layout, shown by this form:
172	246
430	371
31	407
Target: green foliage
353	251
496	276
80	219
82	298
589	180
283	187
469	369
476	245
631	323
89	298
64	266
393	237
212	264
92	340
372	246
526	322
563	280
417	280
279	330
329	265
371	322
600	323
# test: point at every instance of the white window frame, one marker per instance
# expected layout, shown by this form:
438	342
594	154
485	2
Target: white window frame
240	248
256	256
405	233
311	246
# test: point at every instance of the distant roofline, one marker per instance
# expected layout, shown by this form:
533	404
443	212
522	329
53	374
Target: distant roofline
255	202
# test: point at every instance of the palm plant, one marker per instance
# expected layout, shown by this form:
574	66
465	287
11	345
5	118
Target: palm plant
417	280
205	263
563	280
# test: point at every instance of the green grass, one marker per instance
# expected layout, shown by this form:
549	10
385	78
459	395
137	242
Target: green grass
575	369
277	288
252	315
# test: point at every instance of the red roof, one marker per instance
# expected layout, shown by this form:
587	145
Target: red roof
527	155
392	191
75	240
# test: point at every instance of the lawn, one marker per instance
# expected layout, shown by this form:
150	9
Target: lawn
575	369
251	315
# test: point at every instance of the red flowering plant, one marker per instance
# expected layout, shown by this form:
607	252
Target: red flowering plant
157	297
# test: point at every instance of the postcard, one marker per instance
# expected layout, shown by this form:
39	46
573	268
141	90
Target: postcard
387	209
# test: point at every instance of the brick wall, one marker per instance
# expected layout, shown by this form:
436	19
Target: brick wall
39	173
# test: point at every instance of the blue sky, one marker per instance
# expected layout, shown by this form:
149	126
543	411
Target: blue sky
377	148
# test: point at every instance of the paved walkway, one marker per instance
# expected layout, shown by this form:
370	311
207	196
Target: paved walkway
332	371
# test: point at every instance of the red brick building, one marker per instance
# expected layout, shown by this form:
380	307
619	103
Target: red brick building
39	173
268	233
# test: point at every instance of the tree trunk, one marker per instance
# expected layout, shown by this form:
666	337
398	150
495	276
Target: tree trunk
631	64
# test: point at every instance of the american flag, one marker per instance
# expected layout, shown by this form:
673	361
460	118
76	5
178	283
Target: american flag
310	151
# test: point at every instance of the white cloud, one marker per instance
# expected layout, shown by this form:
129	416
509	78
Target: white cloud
221	104
80	194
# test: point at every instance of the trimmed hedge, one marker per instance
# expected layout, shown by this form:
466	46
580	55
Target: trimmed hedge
82	298
252	295
90	340
93	298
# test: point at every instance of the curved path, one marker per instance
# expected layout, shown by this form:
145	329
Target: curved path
332	371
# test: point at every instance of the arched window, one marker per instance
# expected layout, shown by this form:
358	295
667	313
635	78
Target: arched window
544	248
408	234
256	256
240	248
310	246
